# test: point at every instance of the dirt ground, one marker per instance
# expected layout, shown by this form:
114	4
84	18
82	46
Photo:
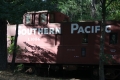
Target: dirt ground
7	75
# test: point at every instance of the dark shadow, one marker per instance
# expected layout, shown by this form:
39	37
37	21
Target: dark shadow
38	54
50	39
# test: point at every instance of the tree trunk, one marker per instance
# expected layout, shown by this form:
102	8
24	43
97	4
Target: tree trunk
3	44
93	10
14	51
101	63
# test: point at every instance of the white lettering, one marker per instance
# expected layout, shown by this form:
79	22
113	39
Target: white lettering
19	32
58	30
106	29
40	30
97	28
74	27
92	29
86	29
81	30
34	30
45	30
29	31
51	31
33	39
23	31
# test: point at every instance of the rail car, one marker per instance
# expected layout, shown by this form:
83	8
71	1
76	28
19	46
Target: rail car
48	38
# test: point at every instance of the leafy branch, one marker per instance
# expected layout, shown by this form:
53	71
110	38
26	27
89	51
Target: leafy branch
11	46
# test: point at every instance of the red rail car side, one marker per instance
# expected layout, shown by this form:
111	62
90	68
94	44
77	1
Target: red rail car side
80	43
48	38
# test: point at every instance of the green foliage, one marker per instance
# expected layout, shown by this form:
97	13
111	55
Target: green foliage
14	10
77	10
11	47
107	58
89	10
113	10
19	68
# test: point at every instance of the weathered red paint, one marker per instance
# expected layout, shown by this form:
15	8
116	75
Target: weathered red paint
74	41
64	48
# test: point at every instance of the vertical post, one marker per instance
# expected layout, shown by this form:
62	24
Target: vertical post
101	62
81	9
14	51
3	44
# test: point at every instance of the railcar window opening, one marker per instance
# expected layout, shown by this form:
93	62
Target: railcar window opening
113	38
36	19
52	18
83	52
28	19
43	18
85	38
